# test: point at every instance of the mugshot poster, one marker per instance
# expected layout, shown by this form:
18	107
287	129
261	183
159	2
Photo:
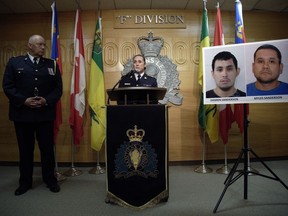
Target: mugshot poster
235	85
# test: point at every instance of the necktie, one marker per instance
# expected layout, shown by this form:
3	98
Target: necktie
138	80
35	61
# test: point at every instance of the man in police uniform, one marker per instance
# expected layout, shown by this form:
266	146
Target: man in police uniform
33	85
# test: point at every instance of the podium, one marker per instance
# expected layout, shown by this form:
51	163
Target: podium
134	95
137	150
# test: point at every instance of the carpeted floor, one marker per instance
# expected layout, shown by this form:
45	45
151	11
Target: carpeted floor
190	193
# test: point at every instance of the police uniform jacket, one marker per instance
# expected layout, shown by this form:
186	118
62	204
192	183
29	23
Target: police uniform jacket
130	81
20	79
145	81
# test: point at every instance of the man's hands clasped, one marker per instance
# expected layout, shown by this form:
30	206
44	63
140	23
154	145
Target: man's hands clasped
35	102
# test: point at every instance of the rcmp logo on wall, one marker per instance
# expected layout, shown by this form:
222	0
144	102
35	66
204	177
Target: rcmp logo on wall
136	158
160	67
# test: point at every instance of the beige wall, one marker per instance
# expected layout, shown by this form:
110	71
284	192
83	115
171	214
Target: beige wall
269	122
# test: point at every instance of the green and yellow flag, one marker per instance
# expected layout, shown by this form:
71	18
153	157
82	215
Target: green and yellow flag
207	115
96	92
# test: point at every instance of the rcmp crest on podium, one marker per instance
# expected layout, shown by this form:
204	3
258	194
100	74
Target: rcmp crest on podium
137	155
136	158
160	67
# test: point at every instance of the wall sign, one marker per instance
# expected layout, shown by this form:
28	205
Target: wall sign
136	19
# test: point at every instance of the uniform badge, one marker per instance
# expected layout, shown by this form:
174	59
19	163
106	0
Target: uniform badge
19	70
51	71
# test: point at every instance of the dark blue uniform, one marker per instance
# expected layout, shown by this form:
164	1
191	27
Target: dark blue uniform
145	81
130	81
23	79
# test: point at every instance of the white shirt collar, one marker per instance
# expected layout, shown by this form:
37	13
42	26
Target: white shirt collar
32	58
136	75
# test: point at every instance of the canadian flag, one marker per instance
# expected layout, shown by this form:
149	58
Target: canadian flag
226	116
78	84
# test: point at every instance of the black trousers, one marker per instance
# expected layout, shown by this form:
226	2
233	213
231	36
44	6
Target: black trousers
26	133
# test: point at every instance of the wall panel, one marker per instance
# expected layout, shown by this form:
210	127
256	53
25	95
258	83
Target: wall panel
269	122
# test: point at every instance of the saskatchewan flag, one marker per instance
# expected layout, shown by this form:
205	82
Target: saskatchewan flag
96	92
208	114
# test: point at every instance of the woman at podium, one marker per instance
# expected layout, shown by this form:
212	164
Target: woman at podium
138	77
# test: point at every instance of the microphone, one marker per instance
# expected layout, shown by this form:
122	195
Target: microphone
122	77
128	74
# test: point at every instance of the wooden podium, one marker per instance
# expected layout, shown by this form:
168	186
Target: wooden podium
137	150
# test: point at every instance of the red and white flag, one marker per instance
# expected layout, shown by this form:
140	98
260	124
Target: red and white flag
78	84
226	117
218	31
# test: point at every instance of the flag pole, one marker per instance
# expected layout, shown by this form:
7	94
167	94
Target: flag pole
72	171
204	34
203	168
239	18
225	169
98	169
56	56
59	175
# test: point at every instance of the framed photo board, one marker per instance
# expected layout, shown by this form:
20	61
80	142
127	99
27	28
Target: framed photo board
244	54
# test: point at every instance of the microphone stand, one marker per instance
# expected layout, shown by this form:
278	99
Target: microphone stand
126	75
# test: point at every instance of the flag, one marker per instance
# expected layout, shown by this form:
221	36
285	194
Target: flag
239	25
239	38
226	117
96	92
56	55
218	31
207	114
78	84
